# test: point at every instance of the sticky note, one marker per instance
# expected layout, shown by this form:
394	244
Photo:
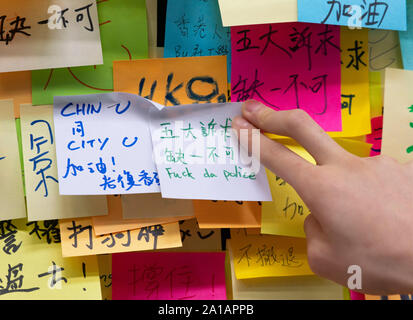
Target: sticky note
114	221
169	276
384	50
78	238
390	297
174	81
406	39
376	94
16	86
283	288
105	275
41	179
289	66
32	267
43	35
194	28
268	256
153	206
11	187
285	215
228	214
195	239
355	93
103	145
118	43
375	137
387	14
197	157
398	120
244	12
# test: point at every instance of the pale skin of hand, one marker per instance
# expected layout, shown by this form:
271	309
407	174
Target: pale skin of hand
361	208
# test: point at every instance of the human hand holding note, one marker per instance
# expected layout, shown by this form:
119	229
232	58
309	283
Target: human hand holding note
359	206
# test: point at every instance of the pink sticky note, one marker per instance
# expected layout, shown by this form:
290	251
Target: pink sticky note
168	276
287	66
357	296
376	136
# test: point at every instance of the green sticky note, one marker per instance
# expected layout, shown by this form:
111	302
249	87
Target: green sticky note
19	141
124	36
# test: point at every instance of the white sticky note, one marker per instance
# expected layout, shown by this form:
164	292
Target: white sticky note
103	145
42	34
198	157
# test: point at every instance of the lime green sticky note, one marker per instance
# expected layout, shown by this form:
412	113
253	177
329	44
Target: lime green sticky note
124	36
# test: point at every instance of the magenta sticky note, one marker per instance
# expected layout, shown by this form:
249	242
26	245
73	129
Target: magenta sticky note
287	66
168	276
376	136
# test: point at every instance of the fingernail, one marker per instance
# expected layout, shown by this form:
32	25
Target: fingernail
252	106
241	122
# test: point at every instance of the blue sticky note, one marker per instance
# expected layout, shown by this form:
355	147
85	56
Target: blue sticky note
406	39
194	28
374	14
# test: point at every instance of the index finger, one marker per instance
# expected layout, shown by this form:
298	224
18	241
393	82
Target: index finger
276	157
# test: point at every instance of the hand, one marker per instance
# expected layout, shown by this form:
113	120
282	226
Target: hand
361	208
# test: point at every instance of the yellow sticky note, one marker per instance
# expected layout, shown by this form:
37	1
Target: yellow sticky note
32	267
78	238
42	189
105	275
285	215
376	94
174	81
355	95
282	288
268	256
245	12
398	115
228	214
114	221
16	86
11	187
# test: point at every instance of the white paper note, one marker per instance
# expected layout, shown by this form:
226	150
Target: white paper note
198	157
43	34
103	145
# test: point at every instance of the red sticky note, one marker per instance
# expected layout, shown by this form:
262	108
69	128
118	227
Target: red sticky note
376	136
288	66
168	276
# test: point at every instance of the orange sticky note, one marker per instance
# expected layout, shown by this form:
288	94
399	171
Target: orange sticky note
227	214
78	238
114	221
174	81
16	86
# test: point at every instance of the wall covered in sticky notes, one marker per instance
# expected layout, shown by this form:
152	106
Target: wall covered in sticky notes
121	175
